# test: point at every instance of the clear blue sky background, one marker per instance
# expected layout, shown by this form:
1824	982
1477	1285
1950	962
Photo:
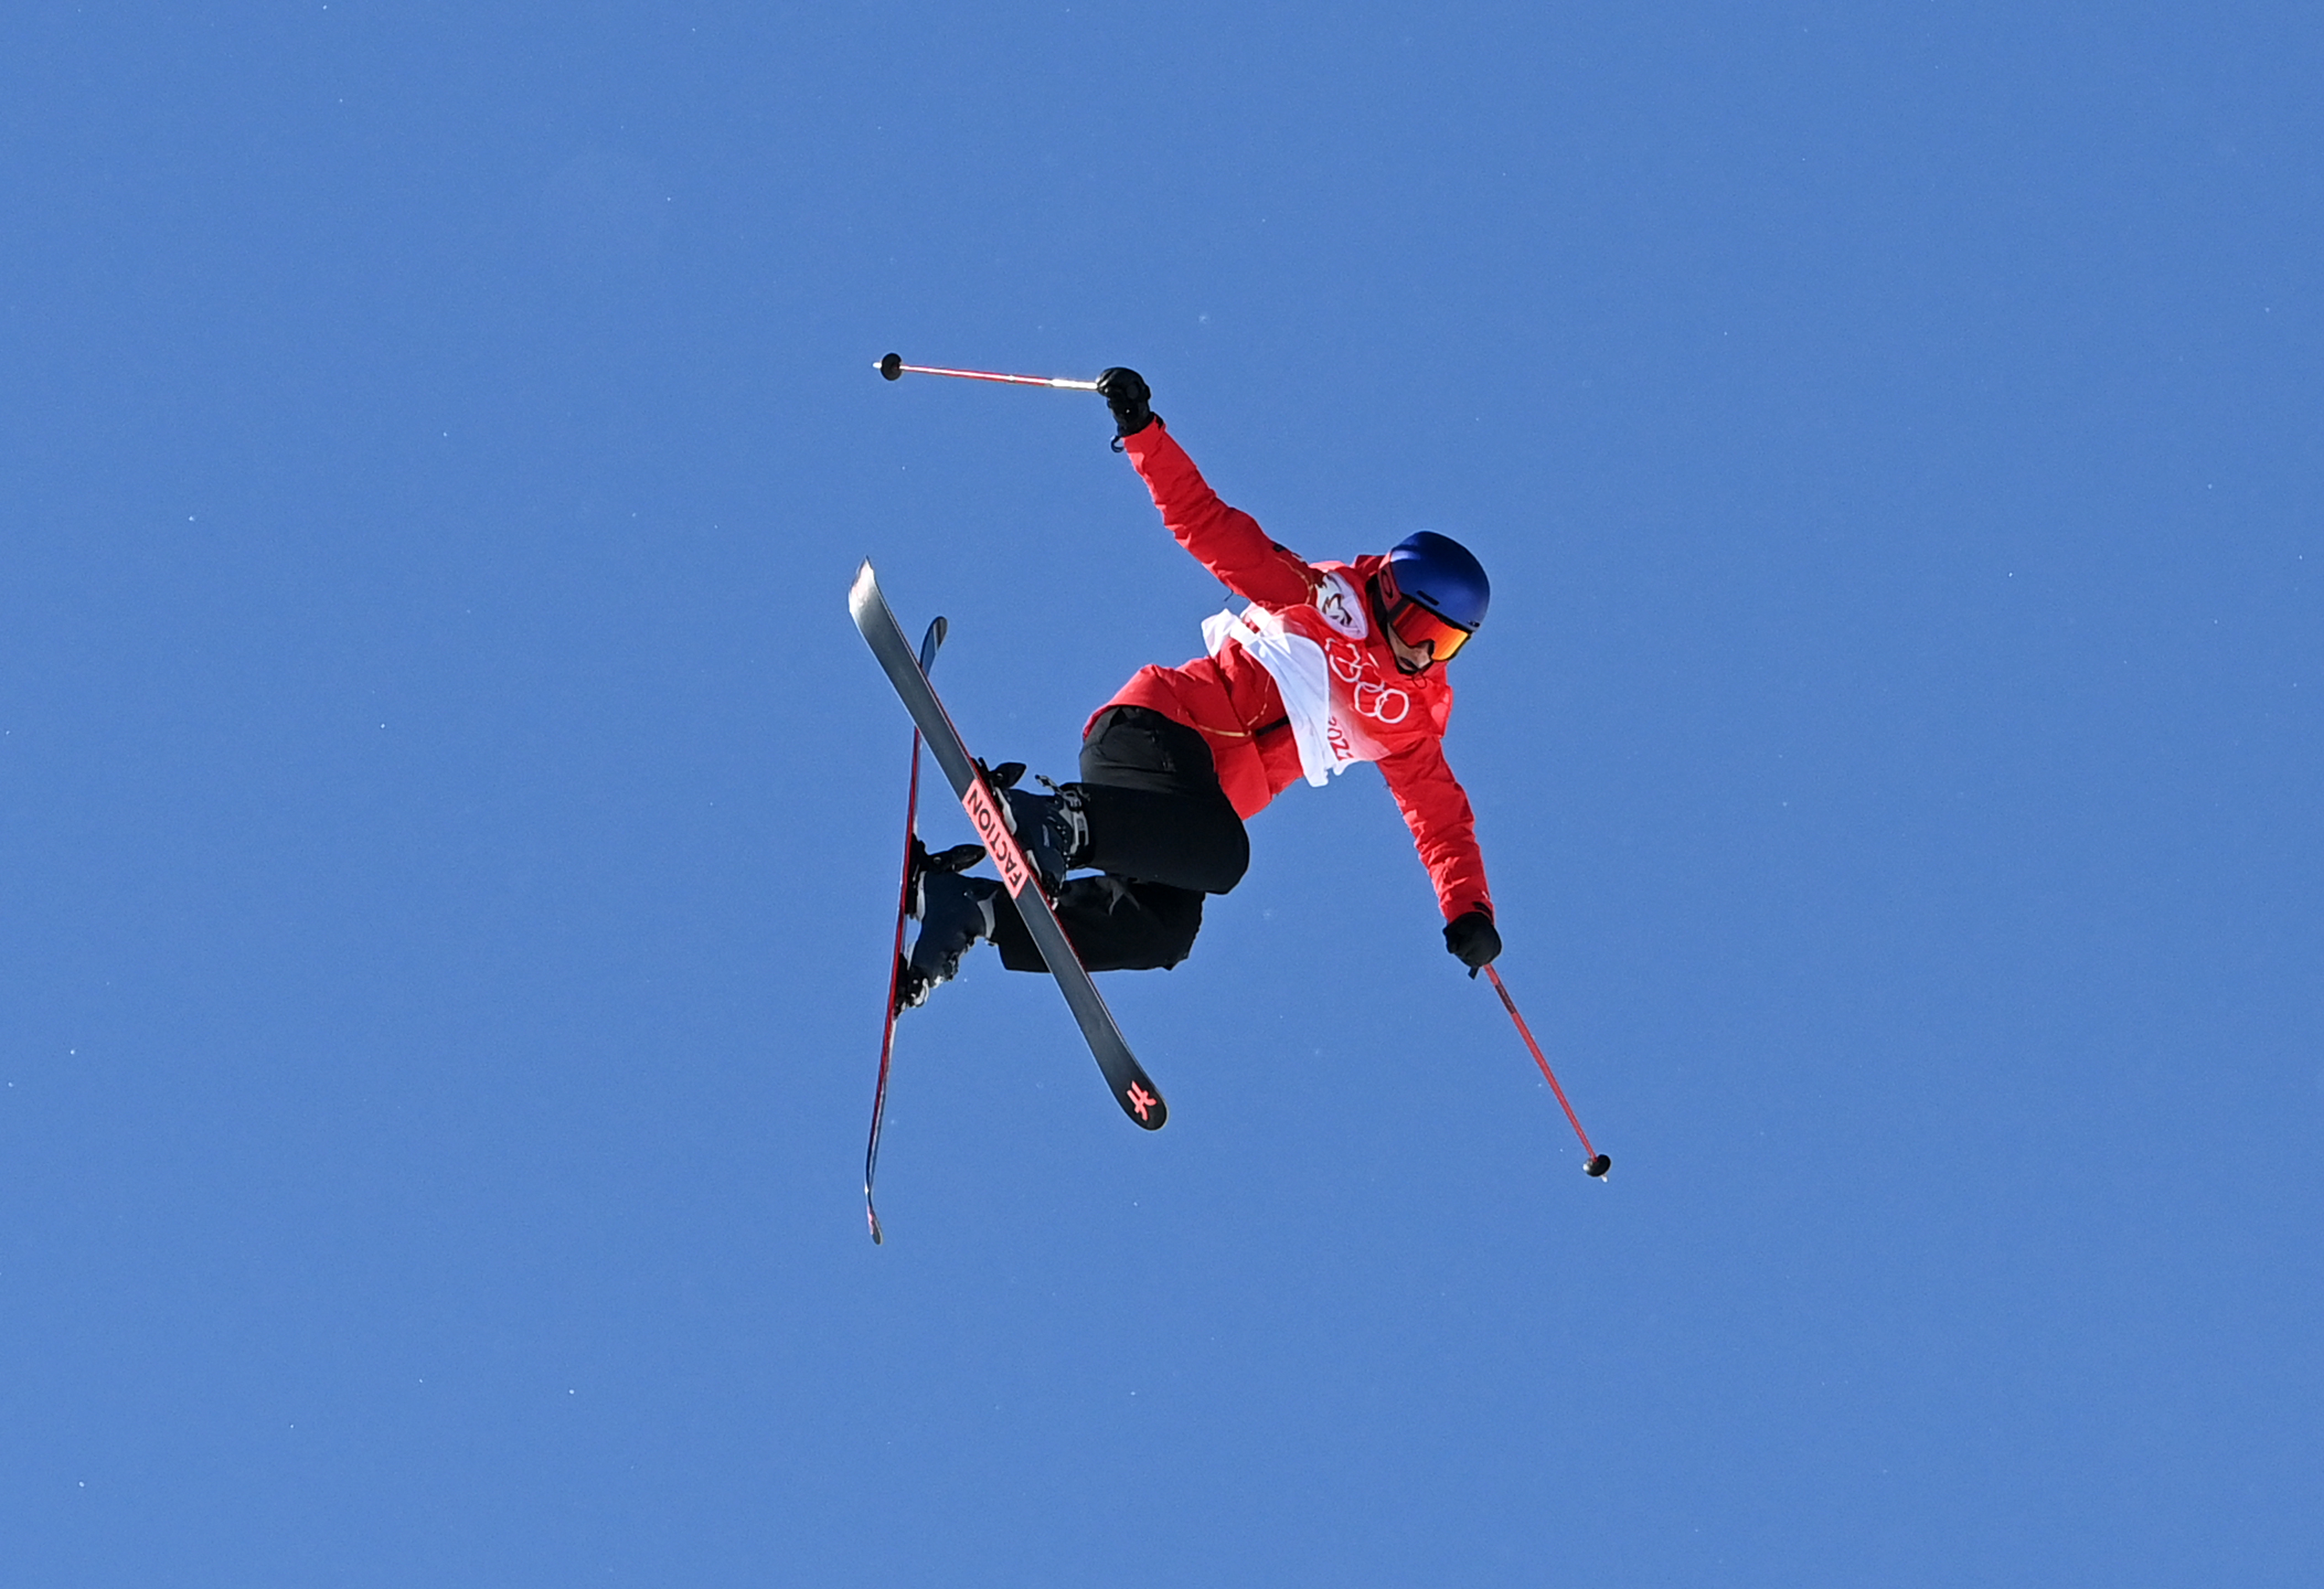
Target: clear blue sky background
450	822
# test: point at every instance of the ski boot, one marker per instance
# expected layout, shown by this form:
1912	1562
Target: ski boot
954	911
1053	829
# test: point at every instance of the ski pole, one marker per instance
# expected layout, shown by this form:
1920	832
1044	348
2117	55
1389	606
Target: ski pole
1600	1163
895	369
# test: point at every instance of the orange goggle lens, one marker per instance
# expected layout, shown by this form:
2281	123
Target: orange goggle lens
1416	626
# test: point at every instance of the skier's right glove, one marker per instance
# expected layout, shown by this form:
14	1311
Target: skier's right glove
1127	394
1472	939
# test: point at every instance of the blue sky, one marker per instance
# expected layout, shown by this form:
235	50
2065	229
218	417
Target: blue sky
451	819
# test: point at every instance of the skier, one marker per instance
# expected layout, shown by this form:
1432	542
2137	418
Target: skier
1330	664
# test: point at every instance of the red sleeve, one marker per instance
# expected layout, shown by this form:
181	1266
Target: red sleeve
1226	541
1443	830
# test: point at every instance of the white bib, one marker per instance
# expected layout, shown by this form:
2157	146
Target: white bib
1302	674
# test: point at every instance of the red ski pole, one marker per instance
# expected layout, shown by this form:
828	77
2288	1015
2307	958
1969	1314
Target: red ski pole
894	368
1600	1163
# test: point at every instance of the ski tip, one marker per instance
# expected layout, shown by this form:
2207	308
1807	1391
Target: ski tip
866	590
878	1236
1597	1167
891	366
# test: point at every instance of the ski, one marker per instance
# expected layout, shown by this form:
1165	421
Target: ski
928	645
1132	1087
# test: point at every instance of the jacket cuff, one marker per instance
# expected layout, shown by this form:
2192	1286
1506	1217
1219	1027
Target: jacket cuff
1145	441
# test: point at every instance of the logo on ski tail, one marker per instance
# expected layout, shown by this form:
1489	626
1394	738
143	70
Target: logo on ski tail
1141	1102
985	816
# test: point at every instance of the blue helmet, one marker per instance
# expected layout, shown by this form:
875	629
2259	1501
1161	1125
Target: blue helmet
1437	572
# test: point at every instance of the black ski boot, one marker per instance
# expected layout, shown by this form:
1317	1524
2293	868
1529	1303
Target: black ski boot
953	912
1052	829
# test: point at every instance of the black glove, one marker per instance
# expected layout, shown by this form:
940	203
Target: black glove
1126	394
1473	940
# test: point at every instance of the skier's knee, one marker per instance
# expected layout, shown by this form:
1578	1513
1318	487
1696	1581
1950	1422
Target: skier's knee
1174	918
1227	857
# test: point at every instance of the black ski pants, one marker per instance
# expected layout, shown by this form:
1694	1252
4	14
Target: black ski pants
1162	834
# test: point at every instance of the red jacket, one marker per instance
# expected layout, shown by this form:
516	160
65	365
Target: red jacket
1234	703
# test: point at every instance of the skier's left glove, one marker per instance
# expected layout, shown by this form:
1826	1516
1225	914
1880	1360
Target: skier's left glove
1473	940
1127	393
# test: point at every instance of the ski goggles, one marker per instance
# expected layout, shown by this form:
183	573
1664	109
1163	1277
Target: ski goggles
1415	625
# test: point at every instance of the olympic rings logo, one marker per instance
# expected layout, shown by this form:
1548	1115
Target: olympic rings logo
1383	704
